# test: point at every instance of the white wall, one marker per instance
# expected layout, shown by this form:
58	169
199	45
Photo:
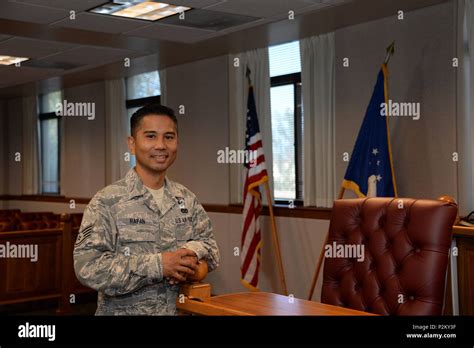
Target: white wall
83	170
202	88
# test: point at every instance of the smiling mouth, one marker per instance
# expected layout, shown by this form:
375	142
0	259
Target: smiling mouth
160	158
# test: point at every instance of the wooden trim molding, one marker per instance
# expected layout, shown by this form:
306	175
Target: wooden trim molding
44	198
279	210
463	231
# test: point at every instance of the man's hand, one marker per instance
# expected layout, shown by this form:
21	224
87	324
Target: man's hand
176	281
194	259
178	265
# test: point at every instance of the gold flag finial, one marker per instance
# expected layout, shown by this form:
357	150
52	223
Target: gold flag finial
390	52
247	73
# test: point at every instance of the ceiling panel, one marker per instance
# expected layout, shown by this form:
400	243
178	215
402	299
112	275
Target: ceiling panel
30	13
85	55
159	31
209	20
265	8
31	48
77	5
12	75
4	37
330	2
195	3
327	3
101	23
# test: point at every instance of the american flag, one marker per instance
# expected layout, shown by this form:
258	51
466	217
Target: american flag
256	174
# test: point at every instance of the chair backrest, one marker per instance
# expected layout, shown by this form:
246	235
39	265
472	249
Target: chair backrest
9	212
388	255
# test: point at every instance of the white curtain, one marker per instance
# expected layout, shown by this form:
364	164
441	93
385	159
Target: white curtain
258	63
319	117
465	114
30	146
116	125
163	96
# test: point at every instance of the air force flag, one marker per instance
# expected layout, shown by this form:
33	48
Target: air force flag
370	171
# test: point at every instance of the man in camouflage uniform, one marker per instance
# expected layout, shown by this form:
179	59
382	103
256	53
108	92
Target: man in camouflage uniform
144	234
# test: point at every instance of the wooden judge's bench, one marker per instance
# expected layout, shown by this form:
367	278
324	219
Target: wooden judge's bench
463	284
195	299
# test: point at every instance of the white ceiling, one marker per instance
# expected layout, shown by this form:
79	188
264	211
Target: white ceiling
11	75
30	13
77	5
56	14
262	8
100	23
90	55
32	48
158	31
52	58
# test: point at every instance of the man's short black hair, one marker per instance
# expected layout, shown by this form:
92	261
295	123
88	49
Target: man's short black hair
151	109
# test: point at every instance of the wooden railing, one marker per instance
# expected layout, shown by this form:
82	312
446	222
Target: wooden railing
51	276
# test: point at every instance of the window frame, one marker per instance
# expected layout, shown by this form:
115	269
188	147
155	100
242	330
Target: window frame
295	80
139	102
44	117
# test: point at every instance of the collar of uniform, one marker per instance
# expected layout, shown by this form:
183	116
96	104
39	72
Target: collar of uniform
136	188
134	184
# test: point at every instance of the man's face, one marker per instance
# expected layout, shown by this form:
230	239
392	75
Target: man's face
155	143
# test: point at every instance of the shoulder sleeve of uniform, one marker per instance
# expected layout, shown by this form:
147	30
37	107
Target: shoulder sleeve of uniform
95	219
97	263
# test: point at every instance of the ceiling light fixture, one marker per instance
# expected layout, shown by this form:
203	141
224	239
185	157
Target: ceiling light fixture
9	60
139	9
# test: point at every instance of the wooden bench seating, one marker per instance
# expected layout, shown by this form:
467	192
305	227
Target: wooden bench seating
52	275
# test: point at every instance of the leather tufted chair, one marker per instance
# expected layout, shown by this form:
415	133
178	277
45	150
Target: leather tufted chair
406	245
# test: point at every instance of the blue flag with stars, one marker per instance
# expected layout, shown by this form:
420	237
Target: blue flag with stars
370	171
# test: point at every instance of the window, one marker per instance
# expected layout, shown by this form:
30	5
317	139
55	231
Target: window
287	122
141	89
49	139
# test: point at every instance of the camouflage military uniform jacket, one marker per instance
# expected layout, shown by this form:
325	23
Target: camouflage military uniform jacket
121	238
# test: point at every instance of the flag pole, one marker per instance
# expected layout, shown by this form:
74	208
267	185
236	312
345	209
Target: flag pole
390	51
276	241
275	238
321	255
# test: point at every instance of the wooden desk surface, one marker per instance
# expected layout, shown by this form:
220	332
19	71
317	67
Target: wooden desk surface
463	231
261	303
